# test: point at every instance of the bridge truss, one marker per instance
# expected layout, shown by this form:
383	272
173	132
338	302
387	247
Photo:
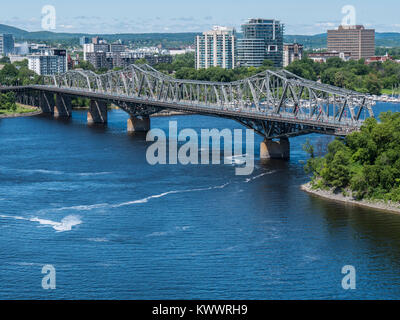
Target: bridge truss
274	103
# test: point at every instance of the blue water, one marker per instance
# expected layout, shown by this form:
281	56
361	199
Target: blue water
85	200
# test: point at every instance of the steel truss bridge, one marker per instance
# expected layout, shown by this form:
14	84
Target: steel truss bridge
276	104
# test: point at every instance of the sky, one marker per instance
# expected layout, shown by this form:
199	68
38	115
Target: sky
306	17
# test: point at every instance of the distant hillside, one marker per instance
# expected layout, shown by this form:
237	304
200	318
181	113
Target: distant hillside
170	40
15	31
312	42
386	39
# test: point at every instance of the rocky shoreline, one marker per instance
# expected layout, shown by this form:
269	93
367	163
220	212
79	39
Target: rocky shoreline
348	200
18	115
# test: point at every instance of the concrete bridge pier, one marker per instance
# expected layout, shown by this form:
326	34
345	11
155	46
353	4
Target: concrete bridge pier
47	102
97	112
270	149
136	124
63	107
22	98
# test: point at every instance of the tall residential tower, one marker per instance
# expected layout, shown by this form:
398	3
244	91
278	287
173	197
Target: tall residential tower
216	48
262	39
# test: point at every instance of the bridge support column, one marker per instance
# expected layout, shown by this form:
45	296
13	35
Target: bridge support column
270	149
63	107
97	112
47	103
139	124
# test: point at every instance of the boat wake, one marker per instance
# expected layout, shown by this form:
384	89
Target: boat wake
64	225
130	203
259	176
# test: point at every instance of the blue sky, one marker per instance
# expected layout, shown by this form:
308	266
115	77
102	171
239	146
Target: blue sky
134	16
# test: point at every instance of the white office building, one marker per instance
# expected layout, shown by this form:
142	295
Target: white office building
49	62
216	48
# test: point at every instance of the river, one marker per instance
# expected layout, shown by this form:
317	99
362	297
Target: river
85	200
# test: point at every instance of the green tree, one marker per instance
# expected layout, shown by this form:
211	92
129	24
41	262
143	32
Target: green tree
373	85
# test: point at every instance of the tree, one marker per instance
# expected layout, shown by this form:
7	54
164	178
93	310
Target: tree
373	85
85	65
5	60
365	162
7	101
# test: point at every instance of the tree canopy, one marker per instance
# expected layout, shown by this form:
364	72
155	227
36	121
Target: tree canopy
367	162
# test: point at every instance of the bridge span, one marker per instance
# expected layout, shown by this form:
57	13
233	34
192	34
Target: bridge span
275	104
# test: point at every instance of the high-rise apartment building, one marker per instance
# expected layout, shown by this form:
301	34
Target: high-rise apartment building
85	40
98	60
262	39
216	48
357	40
6	44
292	52
49	62
92	48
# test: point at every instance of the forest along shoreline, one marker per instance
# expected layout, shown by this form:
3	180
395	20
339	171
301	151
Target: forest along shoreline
362	168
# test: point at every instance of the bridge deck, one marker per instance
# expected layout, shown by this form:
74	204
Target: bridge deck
324	125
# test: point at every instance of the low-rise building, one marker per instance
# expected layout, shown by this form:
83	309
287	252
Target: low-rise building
322	57
17	58
292	52
384	58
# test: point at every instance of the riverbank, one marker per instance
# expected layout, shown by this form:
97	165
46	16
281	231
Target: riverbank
349	200
170	114
164	113
22	111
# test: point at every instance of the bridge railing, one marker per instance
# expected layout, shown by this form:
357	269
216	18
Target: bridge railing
274	93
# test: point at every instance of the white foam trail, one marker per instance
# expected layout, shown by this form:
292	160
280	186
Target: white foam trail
159	234
259	176
79	208
46	171
55	172
98	240
43	171
145	200
129	203
66	223
166	233
26	264
89	174
13	217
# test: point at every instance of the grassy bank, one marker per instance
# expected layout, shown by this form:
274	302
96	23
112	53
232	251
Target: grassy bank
389	92
20	110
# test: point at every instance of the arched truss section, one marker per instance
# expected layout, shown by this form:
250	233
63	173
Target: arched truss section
270	93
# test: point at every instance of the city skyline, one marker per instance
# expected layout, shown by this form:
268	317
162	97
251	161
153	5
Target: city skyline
159	17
